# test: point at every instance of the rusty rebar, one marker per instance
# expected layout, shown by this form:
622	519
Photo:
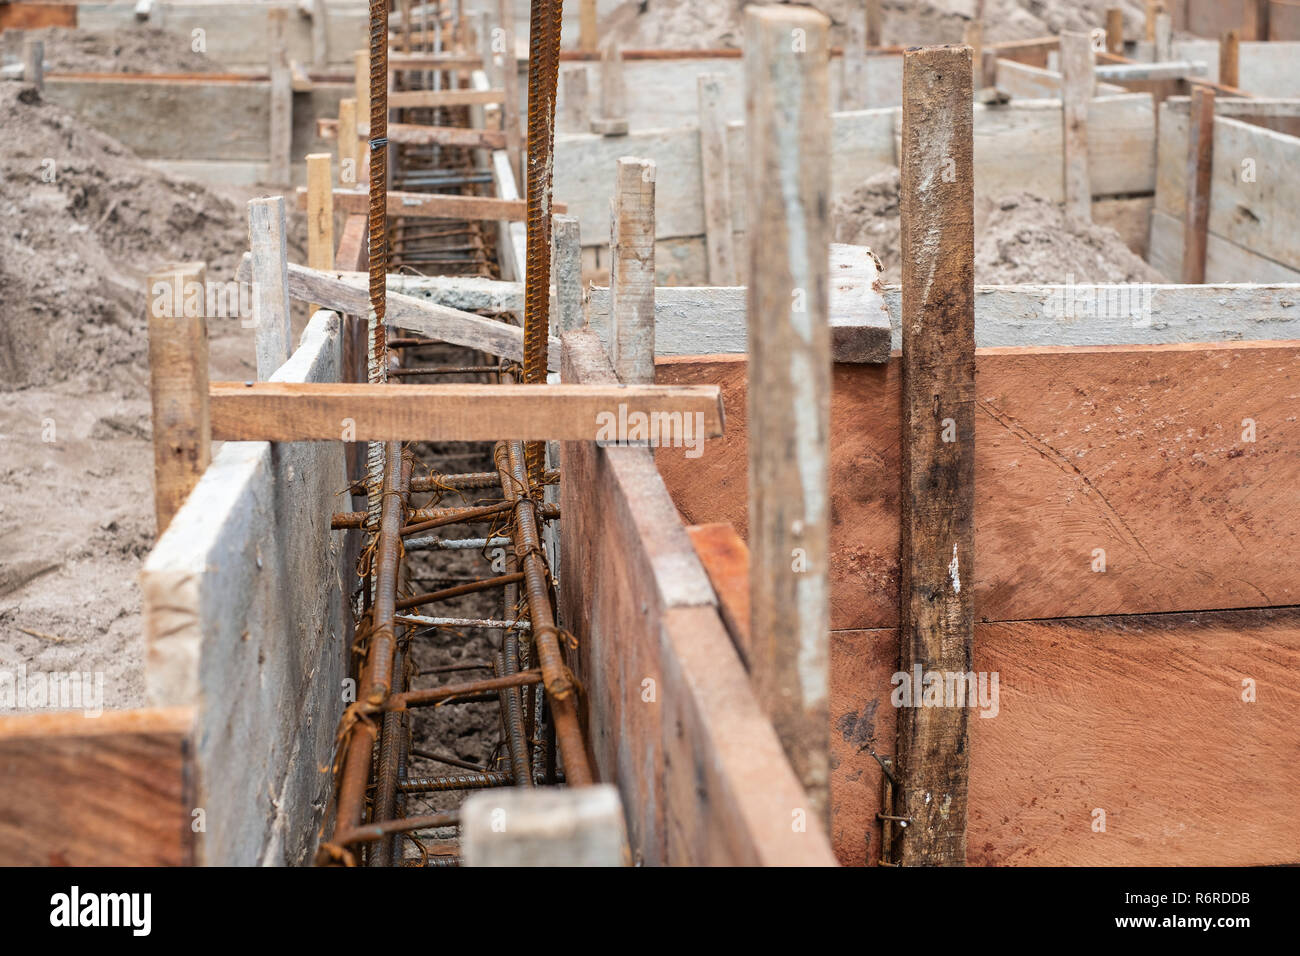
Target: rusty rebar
458	590
436	695
481	780
513	715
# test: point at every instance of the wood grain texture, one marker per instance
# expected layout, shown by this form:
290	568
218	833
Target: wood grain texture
347	139
632	272
310	411
726	561
110	791
428	99
1230	58
1115	30
1077	82
1200	158
787	304
716	179
434	205
1134	450
938	442
1139	716
281	109
269	268
178	386
320	214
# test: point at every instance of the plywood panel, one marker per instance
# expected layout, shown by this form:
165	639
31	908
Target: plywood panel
1142	717
108	791
1137	451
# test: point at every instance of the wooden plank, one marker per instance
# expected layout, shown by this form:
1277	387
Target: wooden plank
243	411
788	185
281	97
352	247
1169	69
1077	82
632	272
226	602
587	39
613	94
178	386
938	435
673	717
1200	158
1284	21
1255	19
412	99
715	178
1253	196
1230	59
434	205
320	215
269	268
1268	69
1126	694
37	16
726	561
410	134
510	81
569	292
347	140
320	44
1115	30
348	296
112	791
575	115
1136	450
1224	260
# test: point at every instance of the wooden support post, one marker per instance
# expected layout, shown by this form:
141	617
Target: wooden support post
178	385
1077	83
320	216
1230	59
853	65
281	134
510	84
613	94
587	39
787	127
1200	161
974	38
347	139
575	113
34	62
1164	42
266	238
718	229
320	52
632	272
568	273
1153	8
1115	30
875	21
936	605
1255	22
361	84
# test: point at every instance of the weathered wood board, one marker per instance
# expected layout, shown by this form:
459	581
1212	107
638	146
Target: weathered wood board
1137	451
1141	717
245	619
107	791
671	713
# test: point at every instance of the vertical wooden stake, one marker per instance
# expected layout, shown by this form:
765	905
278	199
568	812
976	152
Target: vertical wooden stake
320	53
266	238
1077	84
632	272
1164	42
361	86
348	141
1200	162
875	21
320	215
34	62
1115	30
587	39
714	164
1229	60
974	38
936	609
787	128
613	94
576	116
568	273
510	84
1153	8
1255	22
853	65
281	135
178	385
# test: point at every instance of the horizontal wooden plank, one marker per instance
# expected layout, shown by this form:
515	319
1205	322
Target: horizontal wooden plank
1224	260
1141	717
415	99
291	412
414	135
1258	208
726	561
350	296
1137	451
434	205
109	791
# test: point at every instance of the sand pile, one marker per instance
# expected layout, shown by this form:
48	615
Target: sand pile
141	49
1019	239
702	24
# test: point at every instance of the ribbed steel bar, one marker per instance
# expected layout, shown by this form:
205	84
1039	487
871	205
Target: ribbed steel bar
482	780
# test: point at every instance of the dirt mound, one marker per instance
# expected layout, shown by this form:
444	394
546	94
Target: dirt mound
1019	239
703	24
87	221
140	49
1031	240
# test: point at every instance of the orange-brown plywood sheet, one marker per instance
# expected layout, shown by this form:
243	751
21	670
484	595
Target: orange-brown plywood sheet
1137	452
